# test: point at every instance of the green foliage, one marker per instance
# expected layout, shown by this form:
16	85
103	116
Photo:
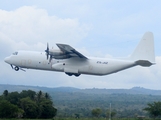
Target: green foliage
46	109
110	113
13	98
47	96
154	109
5	93
28	93
96	112
30	107
79	104
125	105
8	110
27	104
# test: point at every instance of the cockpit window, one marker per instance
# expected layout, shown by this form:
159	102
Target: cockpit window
15	53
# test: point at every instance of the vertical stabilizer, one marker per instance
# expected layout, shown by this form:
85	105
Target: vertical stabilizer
145	49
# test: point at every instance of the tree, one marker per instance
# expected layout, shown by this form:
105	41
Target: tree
5	93
113	113
27	104
30	108
47	96
154	109
46	109
96	112
13	97
8	110
28	93
77	115
39	96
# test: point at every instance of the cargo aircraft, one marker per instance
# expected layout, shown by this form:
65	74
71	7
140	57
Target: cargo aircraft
68	60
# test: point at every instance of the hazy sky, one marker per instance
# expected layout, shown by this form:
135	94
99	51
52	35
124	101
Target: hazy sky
104	28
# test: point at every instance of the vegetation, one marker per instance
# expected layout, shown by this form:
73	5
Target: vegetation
122	105
74	104
96	112
154	109
26	104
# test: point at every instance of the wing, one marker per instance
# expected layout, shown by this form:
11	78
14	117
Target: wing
70	51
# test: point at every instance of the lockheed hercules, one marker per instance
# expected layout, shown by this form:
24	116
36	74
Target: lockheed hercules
68	60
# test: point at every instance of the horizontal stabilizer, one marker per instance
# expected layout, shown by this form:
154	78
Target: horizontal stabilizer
144	63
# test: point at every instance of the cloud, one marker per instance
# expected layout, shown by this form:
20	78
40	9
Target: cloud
30	25
30	28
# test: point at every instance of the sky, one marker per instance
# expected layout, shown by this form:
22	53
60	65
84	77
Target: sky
105	28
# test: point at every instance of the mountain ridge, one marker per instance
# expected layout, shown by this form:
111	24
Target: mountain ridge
134	90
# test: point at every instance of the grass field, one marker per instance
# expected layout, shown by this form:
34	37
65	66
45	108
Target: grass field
105	119
87	119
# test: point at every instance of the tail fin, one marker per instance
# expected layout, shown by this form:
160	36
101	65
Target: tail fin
144	52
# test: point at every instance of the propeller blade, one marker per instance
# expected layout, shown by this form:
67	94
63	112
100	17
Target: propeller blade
50	58
47	51
47	56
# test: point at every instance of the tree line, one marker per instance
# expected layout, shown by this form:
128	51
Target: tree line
31	104
26	104
125	105
153	110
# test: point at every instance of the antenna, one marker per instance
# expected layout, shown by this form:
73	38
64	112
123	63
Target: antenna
110	112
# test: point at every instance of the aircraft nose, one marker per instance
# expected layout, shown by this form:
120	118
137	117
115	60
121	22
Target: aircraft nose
7	59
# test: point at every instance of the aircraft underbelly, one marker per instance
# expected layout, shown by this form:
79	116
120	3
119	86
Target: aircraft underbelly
118	66
105	69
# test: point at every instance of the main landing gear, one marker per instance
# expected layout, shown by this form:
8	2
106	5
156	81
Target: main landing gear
70	74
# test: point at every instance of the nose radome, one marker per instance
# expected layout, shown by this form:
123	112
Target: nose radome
7	59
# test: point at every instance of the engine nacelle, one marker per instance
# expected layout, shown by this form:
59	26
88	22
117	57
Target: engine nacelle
62	56
56	52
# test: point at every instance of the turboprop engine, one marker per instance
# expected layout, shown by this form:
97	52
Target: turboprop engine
55	53
58	54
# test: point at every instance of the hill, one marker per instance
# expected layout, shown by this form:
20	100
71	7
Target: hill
70	101
134	90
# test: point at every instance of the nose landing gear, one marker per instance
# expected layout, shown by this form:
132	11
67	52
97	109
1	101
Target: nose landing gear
16	68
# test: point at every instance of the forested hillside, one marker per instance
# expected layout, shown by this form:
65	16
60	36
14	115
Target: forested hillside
134	90
71	102
125	105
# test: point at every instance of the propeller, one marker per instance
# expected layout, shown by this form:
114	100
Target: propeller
50	58
47	51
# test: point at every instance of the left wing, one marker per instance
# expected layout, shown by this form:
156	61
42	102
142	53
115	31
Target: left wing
70	51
